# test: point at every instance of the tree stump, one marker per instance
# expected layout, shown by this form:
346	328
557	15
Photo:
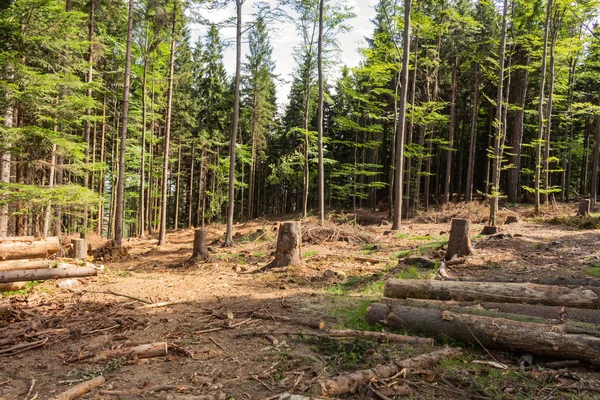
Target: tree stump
200	250
289	240
460	239
79	248
489	230
584	208
511	219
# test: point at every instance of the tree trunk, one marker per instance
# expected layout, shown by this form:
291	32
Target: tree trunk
100	226
46	273
88	110
596	165
234	130
47	216
141	201
5	162
79	248
289	243
473	138
459	244
15	250
200	251
584	207
320	115
162	232
120	199
530	293
451	128
400	133
177	186
547	143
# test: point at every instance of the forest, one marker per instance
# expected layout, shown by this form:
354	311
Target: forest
179	220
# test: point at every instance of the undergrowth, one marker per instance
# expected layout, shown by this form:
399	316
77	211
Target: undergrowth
22	292
582	223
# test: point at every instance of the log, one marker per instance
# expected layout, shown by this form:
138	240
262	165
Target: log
159	349
530	293
289	241
79	250
43	274
584	208
459	244
558	281
349	383
17	239
10	287
81	389
381	336
311	323
13	265
557	313
498	333
39	248
200	251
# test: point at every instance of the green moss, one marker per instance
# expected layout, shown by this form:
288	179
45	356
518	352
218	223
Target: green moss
309	253
400	254
594	271
23	292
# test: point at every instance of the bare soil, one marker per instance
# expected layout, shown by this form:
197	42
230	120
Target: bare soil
345	267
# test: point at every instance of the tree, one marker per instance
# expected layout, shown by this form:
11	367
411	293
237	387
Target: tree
320	116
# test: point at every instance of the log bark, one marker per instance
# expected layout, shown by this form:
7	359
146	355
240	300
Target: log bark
349	383
289	241
81	389
529	293
459	244
558	281
200	250
311	323
13	265
584	208
43	274
143	351
79	249
498	333
39	248
381	336
557	313
9	287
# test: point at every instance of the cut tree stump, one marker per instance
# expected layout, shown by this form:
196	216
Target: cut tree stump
584	207
289	241
529	293
499	333
200	250
38	248
489	230
351	382
511	219
44	274
143	351
81	389
459	244
79	249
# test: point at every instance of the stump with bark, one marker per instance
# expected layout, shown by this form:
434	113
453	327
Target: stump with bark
489	230
459	244
289	241
584	208
200	250
79	248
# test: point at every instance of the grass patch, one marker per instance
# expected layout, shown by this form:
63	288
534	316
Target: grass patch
259	254
594	271
23	292
582	223
352	313
400	254
309	253
401	236
427	247
369	248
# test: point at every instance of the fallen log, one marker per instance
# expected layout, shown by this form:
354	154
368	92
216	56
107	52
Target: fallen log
81	389
530	293
349	383
38	248
44	274
311	323
143	351
499	333
381	336
559	281
563	314
9	287
16	265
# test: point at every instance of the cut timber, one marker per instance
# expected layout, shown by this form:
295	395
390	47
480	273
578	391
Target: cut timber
349	383
381	336
489	230
144	351
530	293
18	239
559	281
39	248
459	244
548	312
498	333
43	274
13	265
81	389
79	249
311	323
584	208
9	287
289	241
200	250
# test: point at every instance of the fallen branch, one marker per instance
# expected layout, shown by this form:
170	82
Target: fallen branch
143	390
81	389
159	349
164	304
20	348
349	383
381	336
315	324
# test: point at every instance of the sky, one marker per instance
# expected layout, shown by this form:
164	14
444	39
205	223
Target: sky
284	38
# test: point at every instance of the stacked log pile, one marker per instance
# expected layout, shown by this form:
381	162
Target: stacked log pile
24	259
558	321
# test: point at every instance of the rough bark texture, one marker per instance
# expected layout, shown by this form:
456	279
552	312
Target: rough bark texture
584	208
79	248
459	244
560	281
14	265
381	336
349	383
43	274
143	351
81	389
15	250
200	250
530	293
289	241
498	333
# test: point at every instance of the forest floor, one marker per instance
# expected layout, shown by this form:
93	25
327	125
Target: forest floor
346	267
